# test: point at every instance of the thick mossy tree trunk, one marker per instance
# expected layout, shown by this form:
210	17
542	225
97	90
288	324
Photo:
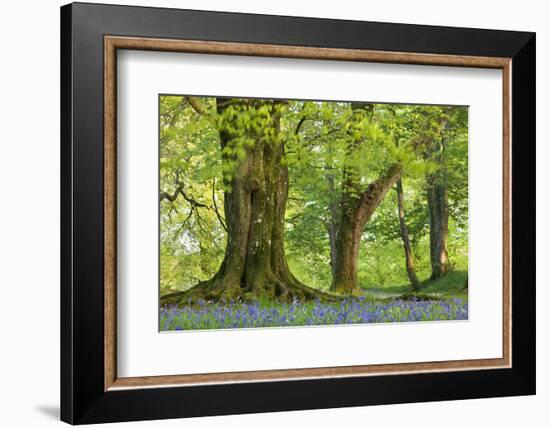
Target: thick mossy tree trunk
356	209
438	207
256	178
404	232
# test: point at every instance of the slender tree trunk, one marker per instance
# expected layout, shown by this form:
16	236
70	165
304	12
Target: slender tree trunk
409	259
439	220
356	209
254	265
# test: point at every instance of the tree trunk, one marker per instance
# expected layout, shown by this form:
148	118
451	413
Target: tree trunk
254	265
438	206
409	260
356	209
439	219
332	225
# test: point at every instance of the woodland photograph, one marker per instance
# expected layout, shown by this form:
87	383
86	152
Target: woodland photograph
277	212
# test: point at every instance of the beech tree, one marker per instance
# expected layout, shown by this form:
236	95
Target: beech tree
357	206
340	142
390	130
256	189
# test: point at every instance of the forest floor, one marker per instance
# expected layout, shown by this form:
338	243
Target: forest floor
439	300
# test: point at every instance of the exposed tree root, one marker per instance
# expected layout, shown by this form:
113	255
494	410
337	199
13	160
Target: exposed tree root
269	288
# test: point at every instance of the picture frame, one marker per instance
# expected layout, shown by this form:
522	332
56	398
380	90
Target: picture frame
91	391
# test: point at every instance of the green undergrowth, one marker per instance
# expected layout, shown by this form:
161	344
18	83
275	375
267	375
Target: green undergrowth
449	286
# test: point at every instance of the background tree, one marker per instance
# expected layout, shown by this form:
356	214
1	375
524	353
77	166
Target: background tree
192	235
444	127
409	259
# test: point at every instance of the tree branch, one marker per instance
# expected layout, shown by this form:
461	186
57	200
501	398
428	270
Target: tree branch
300	123
201	110
179	191
196	104
215	206
375	192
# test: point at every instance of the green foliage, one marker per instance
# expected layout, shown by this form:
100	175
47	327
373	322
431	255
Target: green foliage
324	142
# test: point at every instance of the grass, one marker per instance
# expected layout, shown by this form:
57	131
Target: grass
450	284
447	287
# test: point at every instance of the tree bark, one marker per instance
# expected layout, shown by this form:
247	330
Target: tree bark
254	265
438	207
332	225
356	209
409	259
437	198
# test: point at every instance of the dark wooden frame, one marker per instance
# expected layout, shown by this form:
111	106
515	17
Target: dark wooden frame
90	35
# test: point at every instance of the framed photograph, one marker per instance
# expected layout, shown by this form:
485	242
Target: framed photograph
265	213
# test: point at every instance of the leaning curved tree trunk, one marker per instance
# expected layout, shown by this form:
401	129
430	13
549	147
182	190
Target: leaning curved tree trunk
404	232
356	210
254	265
